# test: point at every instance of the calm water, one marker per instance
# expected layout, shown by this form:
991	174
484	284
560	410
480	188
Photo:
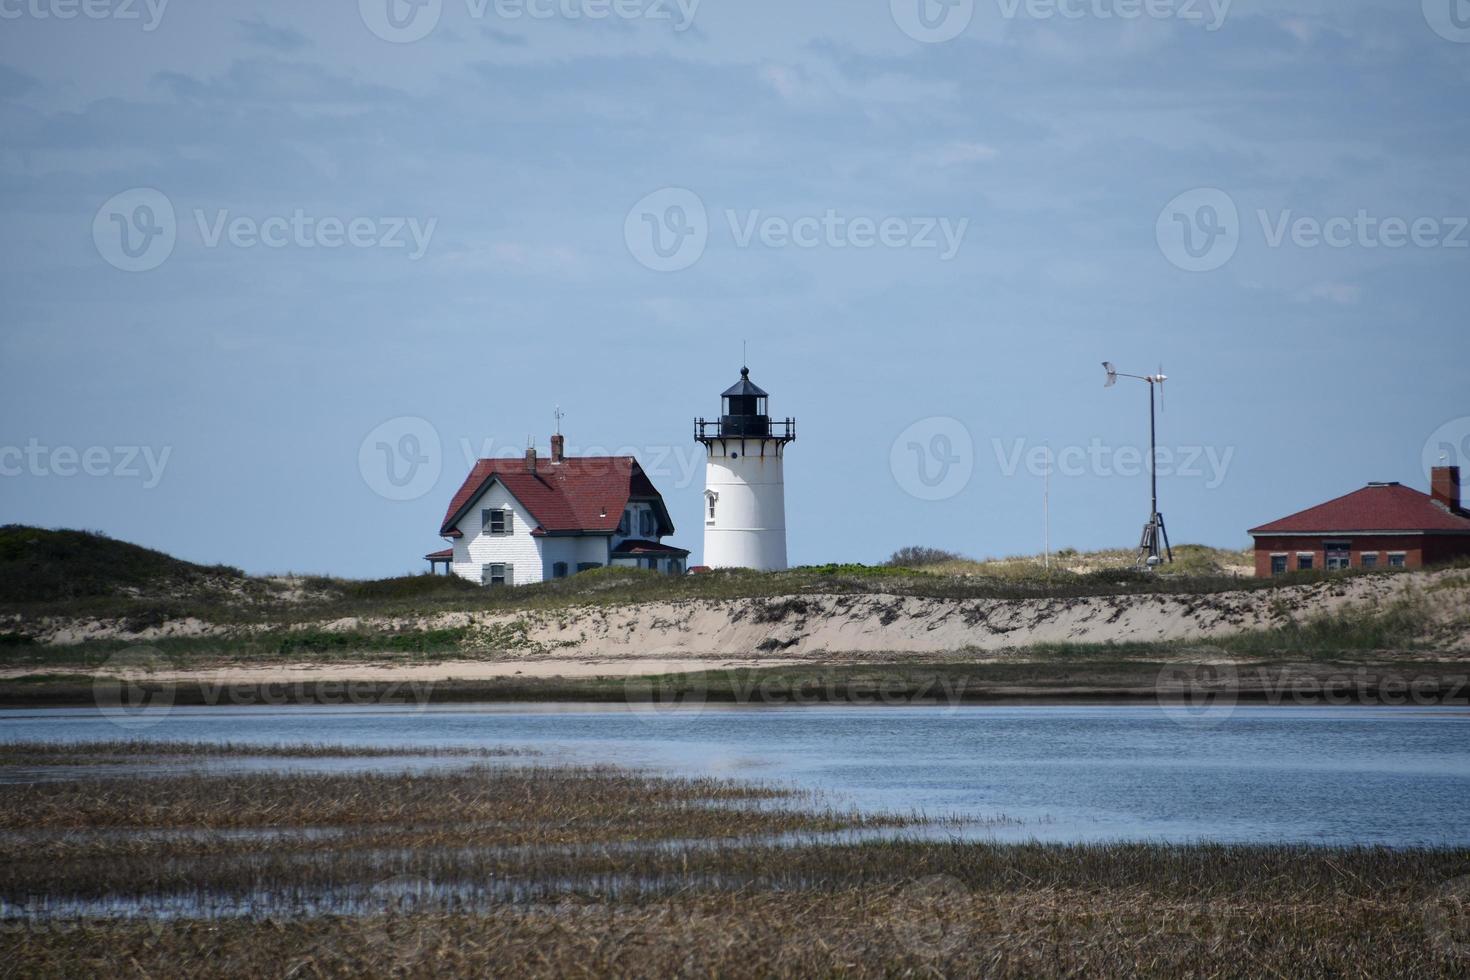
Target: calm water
1317	775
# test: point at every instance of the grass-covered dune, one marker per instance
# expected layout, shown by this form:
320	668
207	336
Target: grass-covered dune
927	624
79	573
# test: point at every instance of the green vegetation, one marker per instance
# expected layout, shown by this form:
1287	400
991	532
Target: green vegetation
40	566
479	871
76	573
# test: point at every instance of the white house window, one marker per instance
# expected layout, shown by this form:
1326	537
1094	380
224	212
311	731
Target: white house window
495	520
498	574
645	522
559	569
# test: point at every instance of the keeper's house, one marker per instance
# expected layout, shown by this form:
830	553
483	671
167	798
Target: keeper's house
517	521
1383	525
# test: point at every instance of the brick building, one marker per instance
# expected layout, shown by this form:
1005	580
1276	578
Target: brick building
1383	525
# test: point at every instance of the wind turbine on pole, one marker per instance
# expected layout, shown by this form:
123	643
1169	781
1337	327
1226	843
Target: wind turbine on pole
1149	555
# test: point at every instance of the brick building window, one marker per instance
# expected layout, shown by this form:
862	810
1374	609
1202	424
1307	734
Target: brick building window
1369	559
1397	559
1278	564
1304	563
1338	556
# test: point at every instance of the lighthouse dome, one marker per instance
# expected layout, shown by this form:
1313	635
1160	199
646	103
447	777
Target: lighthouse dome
744	388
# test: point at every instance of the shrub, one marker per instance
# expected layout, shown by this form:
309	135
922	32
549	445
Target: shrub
917	556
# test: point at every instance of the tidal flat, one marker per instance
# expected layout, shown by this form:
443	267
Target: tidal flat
504	866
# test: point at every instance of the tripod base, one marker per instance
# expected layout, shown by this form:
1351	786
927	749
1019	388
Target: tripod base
1154	533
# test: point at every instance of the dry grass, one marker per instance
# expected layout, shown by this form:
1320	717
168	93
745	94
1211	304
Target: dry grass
919	927
125	751
537	872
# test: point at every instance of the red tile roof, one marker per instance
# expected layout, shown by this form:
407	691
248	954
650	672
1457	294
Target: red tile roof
636	547
444	555
1376	507
582	494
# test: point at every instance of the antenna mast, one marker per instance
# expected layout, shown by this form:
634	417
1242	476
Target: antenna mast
1046	512
1154	533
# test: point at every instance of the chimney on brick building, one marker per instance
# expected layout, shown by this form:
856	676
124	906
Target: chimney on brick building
531	458
1444	486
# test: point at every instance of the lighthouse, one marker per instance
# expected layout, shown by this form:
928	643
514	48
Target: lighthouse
744	490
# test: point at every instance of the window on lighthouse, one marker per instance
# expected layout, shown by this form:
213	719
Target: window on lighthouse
710	500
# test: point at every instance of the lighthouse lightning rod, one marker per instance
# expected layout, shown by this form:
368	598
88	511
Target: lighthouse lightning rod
1148	549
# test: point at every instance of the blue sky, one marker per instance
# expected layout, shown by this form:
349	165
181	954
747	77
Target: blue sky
248	243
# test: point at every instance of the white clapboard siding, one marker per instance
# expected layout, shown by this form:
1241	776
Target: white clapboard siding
519	548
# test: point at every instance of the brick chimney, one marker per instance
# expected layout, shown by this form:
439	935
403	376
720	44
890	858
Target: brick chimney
1444	486
558	444
531	458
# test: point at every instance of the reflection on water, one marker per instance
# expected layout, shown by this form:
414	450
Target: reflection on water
1313	775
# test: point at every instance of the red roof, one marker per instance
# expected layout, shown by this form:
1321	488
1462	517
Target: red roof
1376	507
636	547
444	555
583	494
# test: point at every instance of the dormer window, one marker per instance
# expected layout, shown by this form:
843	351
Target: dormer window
645	523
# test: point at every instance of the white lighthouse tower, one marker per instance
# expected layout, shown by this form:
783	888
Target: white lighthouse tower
744	490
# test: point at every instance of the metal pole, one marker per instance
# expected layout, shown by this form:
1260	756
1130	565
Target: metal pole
1046	509
1153	469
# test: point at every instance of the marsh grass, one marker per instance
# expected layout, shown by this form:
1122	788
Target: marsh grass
532	872
129	751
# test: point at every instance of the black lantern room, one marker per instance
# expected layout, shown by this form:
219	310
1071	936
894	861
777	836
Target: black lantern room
744	415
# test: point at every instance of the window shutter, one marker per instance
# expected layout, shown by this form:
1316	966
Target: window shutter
508	515
510	575
484	519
